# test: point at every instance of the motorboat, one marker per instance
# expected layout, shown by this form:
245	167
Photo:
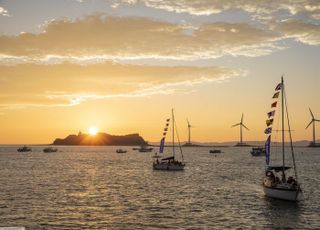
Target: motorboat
144	149
258	151
50	150
24	149
215	151
121	151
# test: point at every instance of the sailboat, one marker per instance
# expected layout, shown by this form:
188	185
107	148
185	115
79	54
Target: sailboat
168	163
286	188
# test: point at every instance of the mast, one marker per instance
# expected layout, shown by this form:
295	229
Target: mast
241	133
172	132
189	134
314	132
282	111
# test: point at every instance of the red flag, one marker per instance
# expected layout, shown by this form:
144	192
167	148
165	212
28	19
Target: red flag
274	104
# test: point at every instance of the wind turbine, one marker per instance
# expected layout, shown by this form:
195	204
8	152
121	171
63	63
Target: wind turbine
189	132
313	122
241	125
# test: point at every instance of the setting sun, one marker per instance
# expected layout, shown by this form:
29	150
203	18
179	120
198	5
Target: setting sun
93	131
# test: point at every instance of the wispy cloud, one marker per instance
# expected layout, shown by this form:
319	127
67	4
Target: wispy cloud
71	84
113	38
4	12
303	32
258	9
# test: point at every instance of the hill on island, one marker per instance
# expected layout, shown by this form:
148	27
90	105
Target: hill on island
101	139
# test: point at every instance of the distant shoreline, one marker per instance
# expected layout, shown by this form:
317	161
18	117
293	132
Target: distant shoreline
152	145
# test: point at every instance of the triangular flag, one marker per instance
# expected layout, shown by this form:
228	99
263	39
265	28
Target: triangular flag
268	130
271	114
276	95
274	104
278	87
269	122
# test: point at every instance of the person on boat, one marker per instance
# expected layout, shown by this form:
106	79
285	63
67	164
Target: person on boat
290	180
157	161
270	175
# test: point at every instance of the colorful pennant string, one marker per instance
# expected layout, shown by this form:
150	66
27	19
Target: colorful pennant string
269	122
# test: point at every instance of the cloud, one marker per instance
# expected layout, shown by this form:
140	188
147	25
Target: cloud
309	8
4	12
129	38
300	31
34	85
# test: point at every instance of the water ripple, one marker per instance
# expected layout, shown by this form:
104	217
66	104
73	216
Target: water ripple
95	188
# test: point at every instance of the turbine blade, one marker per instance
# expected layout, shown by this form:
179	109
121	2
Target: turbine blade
309	124
316	120
241	118
236	125
311	113
245	126
188	122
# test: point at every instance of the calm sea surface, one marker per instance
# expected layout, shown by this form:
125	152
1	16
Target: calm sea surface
96	188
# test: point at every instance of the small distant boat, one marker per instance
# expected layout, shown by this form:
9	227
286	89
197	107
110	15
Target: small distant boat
168	163
121	151
144	149
258	151
215	151
274	187
24	149
50	150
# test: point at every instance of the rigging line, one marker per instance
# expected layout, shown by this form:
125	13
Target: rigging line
290	136
282	123
175	124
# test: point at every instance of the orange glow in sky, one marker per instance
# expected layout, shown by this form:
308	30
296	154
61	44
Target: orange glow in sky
125	67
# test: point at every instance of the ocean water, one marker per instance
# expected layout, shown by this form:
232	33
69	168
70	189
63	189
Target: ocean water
96	188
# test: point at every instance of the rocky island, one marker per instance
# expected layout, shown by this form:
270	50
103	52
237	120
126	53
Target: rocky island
101	139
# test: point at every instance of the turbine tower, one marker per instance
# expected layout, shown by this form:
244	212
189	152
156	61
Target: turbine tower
189	132
313	122
240	125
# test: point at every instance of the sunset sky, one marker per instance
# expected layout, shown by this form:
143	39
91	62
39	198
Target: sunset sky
121	65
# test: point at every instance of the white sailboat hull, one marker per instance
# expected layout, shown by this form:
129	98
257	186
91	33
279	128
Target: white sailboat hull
168	167
282	193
